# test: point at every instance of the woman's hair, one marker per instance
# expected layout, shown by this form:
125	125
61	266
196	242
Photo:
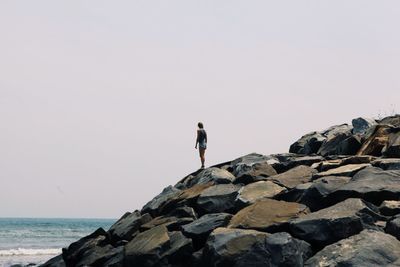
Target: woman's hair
200	124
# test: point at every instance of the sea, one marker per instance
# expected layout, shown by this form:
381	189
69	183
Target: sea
35	240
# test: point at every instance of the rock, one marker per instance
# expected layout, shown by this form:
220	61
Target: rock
218	198
172	223
251	159
183	212
358	159
288	161
242	248
369	248
327	164
294	194
180	250
372	184
334	145
362	125
76	250
147	248
387	164
293	177
308	144
332	224
390	207
116	261
127	226
392	120
251	193
392	149
56	261
349	146
97	256
393	227
214	175
314	196
247	173
346	170
337	130
202	227
267	215
155	206
376	142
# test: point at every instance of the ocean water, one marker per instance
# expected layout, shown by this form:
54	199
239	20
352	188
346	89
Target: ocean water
30	240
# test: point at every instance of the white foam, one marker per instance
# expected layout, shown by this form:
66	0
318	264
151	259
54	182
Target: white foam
29	252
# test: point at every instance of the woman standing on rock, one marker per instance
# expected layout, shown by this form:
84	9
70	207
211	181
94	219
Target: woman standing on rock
202	141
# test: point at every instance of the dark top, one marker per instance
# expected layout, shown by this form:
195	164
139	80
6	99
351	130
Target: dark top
202	136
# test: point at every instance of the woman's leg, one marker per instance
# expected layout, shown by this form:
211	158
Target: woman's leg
202	152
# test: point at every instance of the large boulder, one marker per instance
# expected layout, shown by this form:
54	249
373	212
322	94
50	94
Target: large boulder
218	198
75	251
242	248
251	193
346	170
362	125
387	164
171	222
293	177
314	196
214	175
372	184
249	173
251	159
376	142
368	249
390	207
340	221
147	248
392	148
393	227
391	120
335	135
56	261
202	227
127	226
308	144
98	256
155	206
158	247
288	161
267	215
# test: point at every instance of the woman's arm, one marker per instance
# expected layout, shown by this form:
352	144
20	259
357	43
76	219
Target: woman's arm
197	139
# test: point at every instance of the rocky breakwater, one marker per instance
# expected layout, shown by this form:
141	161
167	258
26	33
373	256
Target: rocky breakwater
334	200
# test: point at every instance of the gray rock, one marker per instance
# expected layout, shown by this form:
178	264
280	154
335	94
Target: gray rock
251	193
249	173
293	177
392	148
390	207
180	250
172	223
97	256
349	146
314	196
251	159
372	184
214	175
155	206
218	198
337	222
346	170
392	120
334	145
147	248
362	125
368	249
393	227
294	194
73	254
56	261
308	144
127	226
240	248
288	161
387	164
202	227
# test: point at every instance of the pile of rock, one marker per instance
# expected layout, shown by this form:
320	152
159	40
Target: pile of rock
332	201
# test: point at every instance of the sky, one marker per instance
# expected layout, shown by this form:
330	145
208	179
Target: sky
99	100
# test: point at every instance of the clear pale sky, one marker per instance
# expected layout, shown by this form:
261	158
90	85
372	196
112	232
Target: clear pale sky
99	100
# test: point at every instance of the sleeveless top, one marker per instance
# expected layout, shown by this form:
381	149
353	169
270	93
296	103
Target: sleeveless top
202	137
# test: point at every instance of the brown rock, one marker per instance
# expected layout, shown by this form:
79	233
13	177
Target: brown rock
375	143
293	177
346	170
267	215
251	193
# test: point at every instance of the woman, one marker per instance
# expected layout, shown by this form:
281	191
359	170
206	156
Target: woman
202	141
